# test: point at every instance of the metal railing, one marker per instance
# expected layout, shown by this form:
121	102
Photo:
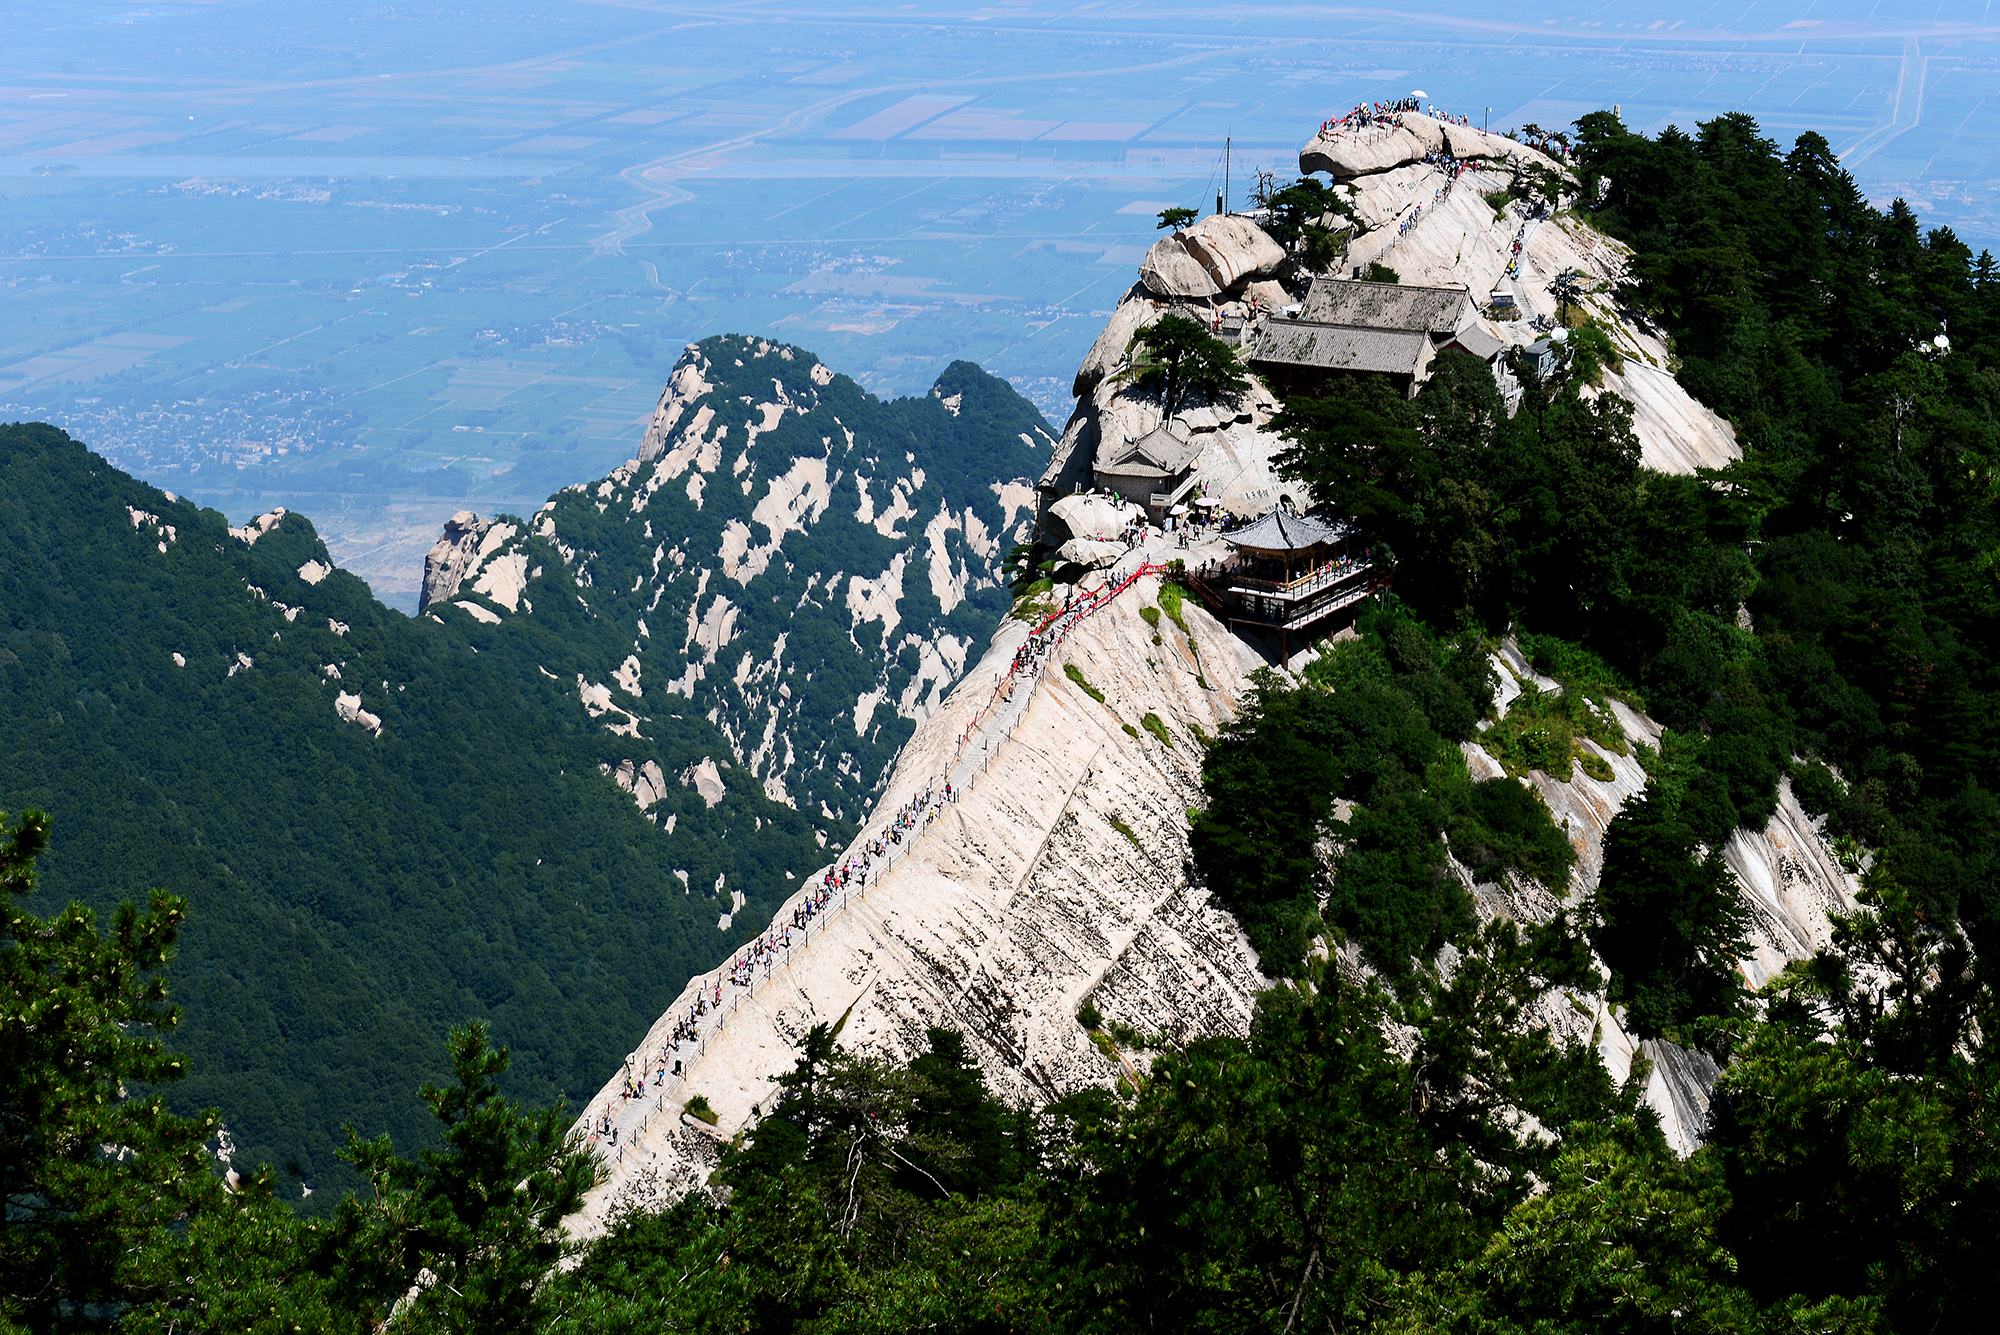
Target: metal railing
1231	575
611	1129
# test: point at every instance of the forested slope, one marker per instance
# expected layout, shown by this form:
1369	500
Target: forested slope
452	847
352	894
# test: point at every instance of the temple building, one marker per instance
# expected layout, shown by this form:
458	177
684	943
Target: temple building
1290	573
1154	471
1346	327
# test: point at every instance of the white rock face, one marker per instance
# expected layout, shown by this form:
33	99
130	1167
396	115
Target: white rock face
1024	899
312	572
350	710
706	779
450	557
1019	903
257	527
646	782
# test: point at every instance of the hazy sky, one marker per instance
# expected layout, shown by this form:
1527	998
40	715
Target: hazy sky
381	261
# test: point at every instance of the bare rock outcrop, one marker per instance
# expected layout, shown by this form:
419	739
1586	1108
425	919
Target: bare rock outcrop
451	556
1057	877
1344	150
350	711
1210	256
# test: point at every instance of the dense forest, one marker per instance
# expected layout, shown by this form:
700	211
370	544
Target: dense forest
1394	1152
168	693
167	696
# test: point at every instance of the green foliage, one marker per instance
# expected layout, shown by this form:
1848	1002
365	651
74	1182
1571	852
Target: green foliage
353	895
1178	362
1670	921
1501	825
1075	674
1596	766
1151	616
1856	1132
1378	272
1866	497
1176	218
1289	1178
481	1217
1373	724
1543	730
1171	597
1152	723
1306	219
698	1107
95	1176
1119	825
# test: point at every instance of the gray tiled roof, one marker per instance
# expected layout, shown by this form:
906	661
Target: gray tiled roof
1435	310
1475	340
1341	347
1280	531
1159	448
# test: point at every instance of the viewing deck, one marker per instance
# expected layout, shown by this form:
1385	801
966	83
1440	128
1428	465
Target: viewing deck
1238	595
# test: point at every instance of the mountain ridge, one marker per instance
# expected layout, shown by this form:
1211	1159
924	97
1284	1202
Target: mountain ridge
386	825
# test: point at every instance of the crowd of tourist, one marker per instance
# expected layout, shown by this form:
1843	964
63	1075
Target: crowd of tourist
1453	172
1367	114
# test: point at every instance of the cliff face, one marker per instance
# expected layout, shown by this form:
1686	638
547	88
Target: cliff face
1055	877
1058	873
1426	216
800	564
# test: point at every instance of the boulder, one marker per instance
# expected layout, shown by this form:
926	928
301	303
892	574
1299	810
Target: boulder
1232	249
705	778
1267	294
1093	516
1091	553
1170	271
350	711
1347	151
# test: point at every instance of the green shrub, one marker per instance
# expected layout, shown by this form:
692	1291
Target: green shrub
1125	830
1503	825
1089	1016
1171	596
698	1108
1152	617
1151	723
1596	766
1075	674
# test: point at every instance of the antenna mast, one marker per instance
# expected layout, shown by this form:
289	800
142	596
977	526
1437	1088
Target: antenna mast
1226	197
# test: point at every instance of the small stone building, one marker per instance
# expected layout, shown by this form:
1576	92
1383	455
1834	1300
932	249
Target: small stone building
1151	471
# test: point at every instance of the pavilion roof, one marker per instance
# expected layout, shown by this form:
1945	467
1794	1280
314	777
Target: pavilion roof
1282	531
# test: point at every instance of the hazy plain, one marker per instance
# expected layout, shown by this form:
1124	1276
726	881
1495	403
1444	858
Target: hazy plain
379	262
